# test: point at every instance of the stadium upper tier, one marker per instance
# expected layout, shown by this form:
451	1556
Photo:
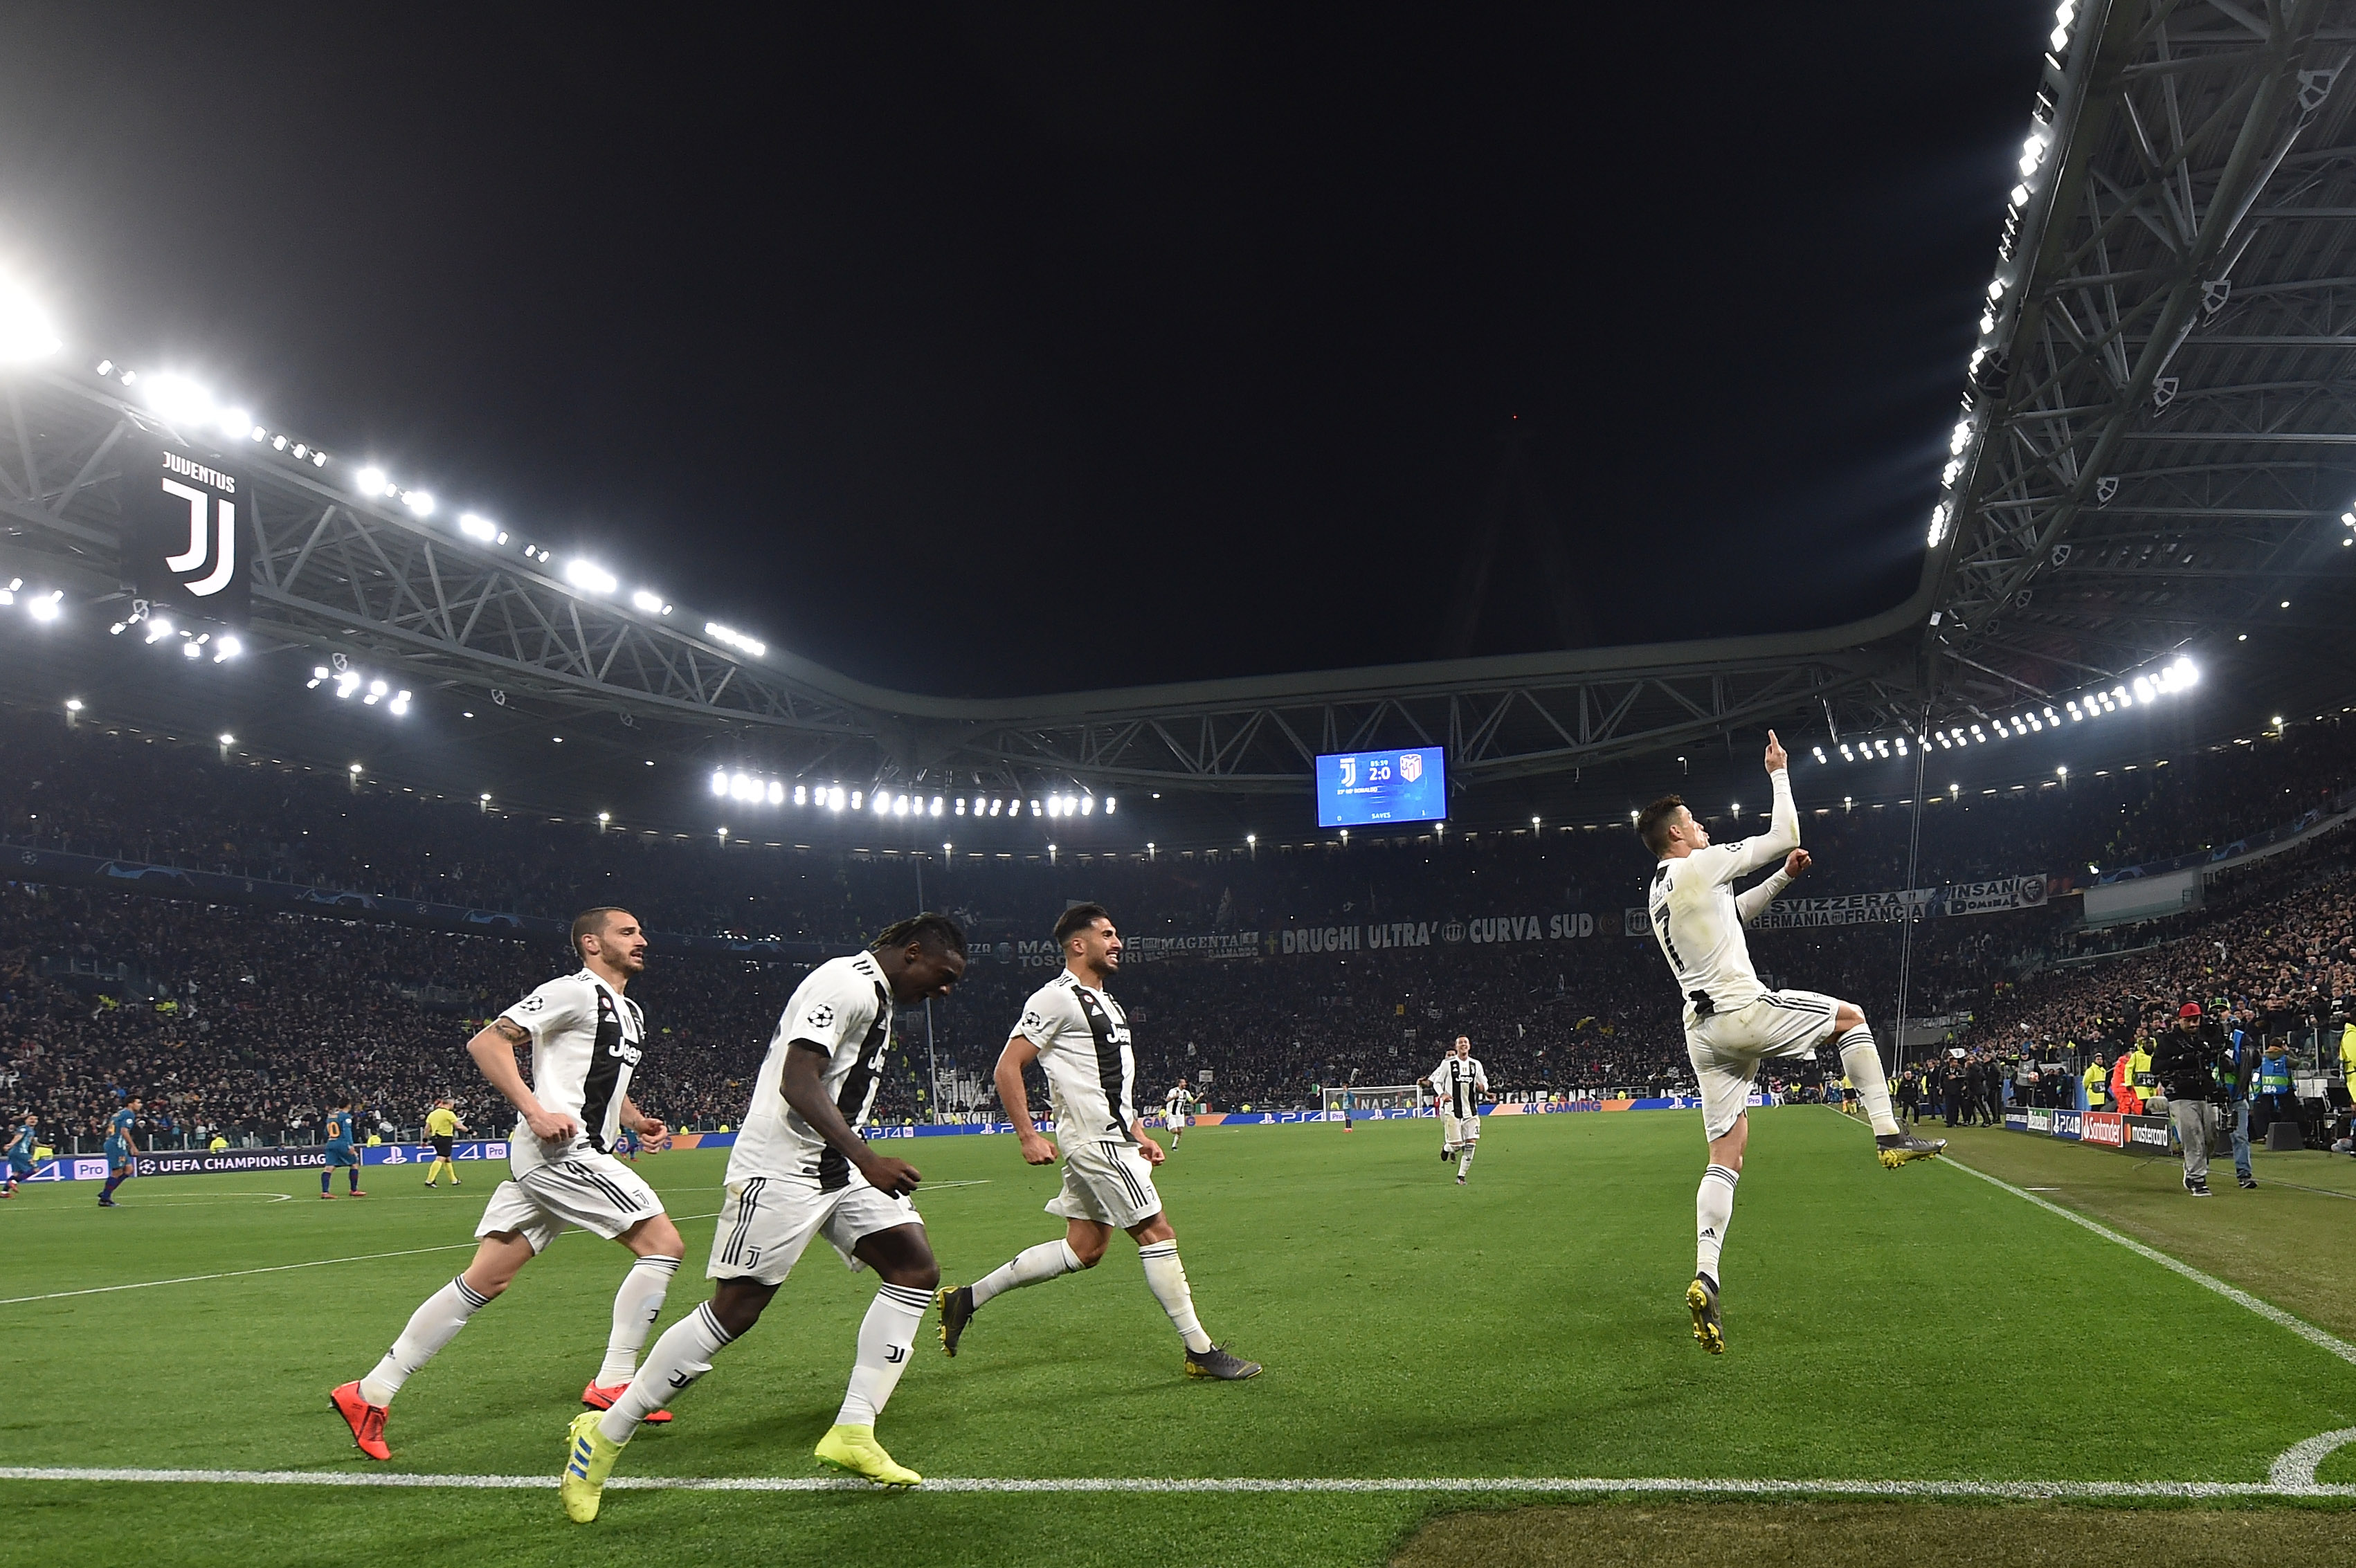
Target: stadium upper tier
113	793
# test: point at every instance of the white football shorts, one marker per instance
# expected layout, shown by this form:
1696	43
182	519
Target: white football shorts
1726	1048
592	1191
1106	1180
1456	1131
766	1220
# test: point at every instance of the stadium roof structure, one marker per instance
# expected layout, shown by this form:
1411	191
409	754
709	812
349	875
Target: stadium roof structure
2152	458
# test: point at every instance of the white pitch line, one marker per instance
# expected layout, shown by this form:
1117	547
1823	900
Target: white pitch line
274	1268
2239	1297
1590	1486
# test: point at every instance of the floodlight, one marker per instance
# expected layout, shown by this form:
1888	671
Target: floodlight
418	501
234	421
278	443
1087	805
355	770
719	782
189	650
179	399
994	804
2186	671
589	575
477	527
834	798
370	480
73	704
652	603
899	805
776	793
801	794
936	809
1108	804
400	704
25	329
961	806
47	607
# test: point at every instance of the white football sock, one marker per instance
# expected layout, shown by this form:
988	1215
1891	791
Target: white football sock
884	1336
1167	1276
1048	1259
1713	1209
1464	1157
1861	1059
431	1327
683	1355
635	1307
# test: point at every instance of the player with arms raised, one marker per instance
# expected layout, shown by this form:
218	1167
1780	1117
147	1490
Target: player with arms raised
1074	1030
800	1170
586	1039
1732	1022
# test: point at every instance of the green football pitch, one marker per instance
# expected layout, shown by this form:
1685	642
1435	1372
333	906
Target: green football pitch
1894	1339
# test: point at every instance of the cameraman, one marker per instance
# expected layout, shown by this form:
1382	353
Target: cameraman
2187	1060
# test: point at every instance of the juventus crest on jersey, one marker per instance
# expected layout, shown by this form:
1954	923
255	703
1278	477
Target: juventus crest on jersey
844	1009
1083	1047
586	1041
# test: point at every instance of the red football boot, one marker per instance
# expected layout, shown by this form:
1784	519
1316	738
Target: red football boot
597	1398
366	1420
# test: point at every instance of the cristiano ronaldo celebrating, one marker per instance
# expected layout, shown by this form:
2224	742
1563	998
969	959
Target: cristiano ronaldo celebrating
1732	1022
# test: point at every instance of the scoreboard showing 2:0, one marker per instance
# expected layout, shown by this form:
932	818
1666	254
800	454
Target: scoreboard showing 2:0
1356	789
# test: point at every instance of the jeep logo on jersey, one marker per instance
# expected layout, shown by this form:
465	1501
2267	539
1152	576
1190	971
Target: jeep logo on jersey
187	523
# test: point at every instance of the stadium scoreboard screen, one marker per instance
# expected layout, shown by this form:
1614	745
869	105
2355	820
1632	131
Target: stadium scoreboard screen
1358	789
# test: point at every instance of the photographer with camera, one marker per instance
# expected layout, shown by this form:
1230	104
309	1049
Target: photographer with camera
2193	1064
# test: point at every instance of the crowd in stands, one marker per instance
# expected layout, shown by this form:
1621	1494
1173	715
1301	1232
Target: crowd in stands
251	1023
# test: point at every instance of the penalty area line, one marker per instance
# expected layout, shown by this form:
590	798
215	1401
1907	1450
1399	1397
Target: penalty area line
1583	1485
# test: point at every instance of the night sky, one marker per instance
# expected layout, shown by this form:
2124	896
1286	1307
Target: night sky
990	350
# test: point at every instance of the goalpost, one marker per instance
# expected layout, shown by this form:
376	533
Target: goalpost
1362	1098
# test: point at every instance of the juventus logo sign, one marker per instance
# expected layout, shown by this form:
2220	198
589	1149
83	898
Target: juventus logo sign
183	546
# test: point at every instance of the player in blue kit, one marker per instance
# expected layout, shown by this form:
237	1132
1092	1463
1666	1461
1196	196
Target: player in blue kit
120	1146
20	1156
340	1151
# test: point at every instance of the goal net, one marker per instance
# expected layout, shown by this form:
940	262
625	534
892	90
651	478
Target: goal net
1360	1098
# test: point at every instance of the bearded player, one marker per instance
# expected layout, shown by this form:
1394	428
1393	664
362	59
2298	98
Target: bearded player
1732	1022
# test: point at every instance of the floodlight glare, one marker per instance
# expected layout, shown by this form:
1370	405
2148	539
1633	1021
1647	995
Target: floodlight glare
652	603
418	501
226	649
588	574
370	480
179	399
25	329
719	782
477	527
47	607
235	422
189	650
776	793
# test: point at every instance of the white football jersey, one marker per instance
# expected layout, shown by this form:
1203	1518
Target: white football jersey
844	1007
586	1039
1458	1084
1083	1047
1174	1102
1699	922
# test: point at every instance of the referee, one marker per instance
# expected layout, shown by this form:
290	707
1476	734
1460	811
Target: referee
442	1125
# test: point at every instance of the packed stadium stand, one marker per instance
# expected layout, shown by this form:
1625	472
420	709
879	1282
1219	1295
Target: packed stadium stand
248	1021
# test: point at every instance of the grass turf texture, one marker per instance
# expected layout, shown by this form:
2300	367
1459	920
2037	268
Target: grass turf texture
1917	1325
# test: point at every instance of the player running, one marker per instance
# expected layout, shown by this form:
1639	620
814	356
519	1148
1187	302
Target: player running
1077	1033
1457	1085
586	1039
340	1151
21	1145
1174	1107
799	1169
443	1127
120	1146
1732	1022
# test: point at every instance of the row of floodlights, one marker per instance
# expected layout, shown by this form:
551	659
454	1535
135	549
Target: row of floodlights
2033	152
2144	690
27	333
42	606
742	786
370	689
193	644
